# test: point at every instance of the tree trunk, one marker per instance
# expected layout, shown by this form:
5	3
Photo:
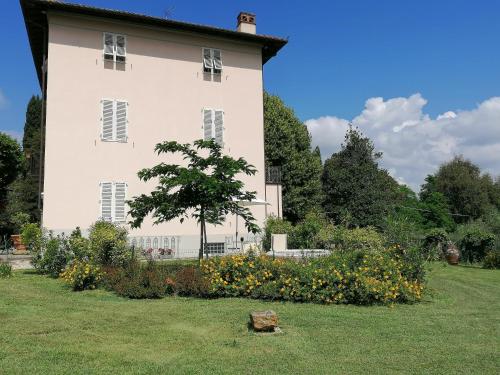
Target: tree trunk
205	243
200	253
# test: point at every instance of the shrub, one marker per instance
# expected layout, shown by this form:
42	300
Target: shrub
20	219
363	239
79	245
475	243
401	231
434	243
82	275
189	281
492	259
5	270
137	281
34	240
108	244
354	277
55	256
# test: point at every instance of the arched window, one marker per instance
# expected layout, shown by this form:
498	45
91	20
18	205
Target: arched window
148	243
155	243
173	243
166	243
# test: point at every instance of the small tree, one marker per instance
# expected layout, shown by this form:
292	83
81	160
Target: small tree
206	189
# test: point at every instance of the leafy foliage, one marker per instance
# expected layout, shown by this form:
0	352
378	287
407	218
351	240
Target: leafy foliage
10	166
108	244
137	281
206	189
434	243
313	232
357	191
475	242
288	145
81	275
469	194
492	259
5	270
343	277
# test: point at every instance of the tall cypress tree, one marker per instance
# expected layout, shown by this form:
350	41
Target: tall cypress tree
23	195
288	145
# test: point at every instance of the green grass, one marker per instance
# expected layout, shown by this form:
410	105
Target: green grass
47	329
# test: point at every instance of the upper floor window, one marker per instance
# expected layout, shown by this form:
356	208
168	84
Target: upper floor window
113	197
212	61
213	125
115	47
114	120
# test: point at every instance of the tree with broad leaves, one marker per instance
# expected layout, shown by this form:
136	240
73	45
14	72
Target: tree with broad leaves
206	189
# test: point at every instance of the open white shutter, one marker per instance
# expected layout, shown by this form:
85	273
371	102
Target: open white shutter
207	59
120	197
121	48
109	46
106	201
107	120
219	127
121	121
217	61
207	124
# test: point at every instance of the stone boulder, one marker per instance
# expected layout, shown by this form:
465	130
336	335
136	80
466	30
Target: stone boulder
264	321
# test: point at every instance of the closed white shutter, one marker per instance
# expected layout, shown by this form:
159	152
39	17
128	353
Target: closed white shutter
120	196
217	61
109	46
207	59
107	120
219	127
121	121
107	201
121	48
207	124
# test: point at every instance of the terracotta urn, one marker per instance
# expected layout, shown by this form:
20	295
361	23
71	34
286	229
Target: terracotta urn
452	254
18	243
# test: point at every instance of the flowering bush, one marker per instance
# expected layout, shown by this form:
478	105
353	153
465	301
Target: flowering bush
350	278
82	275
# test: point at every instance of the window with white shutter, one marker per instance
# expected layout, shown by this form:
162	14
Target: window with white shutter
212	61
120	196
219	127
114	120
115	47
207	124
213	125
107	201
113	197
107	120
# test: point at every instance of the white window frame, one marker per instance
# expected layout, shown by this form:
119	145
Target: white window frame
213	110
212	67
114	125
113	201
115	47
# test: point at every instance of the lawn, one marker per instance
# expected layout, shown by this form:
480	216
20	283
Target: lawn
46	329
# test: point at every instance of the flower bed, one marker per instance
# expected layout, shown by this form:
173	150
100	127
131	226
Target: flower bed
349	278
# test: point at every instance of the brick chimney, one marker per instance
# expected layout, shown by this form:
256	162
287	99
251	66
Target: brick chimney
246	23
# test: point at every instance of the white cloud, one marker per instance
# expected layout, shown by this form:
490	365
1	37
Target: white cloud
413	143
3	100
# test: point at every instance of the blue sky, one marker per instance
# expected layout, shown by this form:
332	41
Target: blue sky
340	53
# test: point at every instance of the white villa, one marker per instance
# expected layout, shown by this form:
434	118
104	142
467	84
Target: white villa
114	84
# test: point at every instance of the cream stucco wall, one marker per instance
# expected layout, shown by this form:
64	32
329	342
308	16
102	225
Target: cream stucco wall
166	89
